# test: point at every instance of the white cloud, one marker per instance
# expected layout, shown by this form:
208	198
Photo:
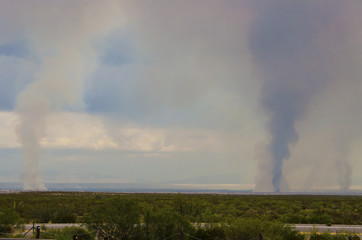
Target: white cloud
68	130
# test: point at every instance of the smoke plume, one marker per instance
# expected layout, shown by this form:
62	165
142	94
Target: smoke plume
294	51
63	42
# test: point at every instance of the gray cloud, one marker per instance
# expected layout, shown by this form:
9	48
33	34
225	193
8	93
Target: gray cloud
190	65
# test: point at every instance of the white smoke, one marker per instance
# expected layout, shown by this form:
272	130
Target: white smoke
63	42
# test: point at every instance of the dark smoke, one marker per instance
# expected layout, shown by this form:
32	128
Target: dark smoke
283	42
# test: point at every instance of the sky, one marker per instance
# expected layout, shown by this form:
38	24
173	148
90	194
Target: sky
261	95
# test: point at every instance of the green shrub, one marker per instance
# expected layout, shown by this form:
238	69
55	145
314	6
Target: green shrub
161	224
118	219
321	219
64	215
328	236
245	229
8	218
67	233
210	231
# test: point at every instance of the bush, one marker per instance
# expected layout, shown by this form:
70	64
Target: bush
67	233
210	232
8	218
163	224
245	229
64	215
118	219
321	219
328	236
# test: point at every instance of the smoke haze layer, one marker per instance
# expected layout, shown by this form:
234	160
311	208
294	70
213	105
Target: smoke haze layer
294	52
63	43
170	90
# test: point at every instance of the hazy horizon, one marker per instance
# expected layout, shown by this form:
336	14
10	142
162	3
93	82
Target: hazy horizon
262	95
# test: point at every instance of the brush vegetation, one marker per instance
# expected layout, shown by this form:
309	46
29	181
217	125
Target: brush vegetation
158	216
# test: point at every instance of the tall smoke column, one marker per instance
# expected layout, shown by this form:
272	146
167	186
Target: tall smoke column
62	40
283	40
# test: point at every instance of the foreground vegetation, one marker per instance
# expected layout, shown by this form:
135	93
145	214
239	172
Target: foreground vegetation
159	216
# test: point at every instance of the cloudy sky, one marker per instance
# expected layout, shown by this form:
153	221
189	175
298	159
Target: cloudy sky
262	95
